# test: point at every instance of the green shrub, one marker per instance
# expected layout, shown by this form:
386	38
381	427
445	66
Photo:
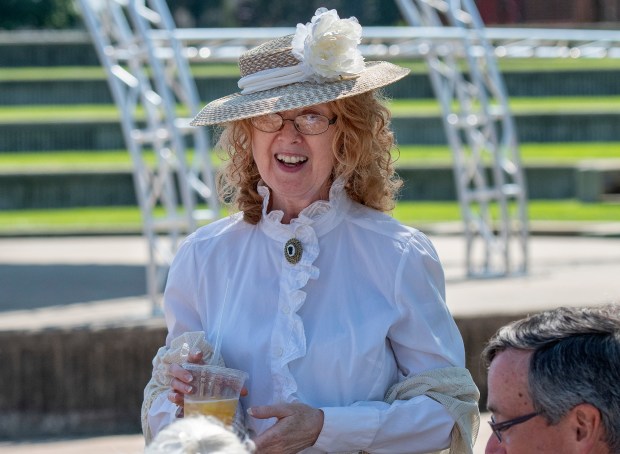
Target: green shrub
58	14
46	14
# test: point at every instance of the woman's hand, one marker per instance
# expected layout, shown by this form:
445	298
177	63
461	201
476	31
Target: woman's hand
181	381
298	427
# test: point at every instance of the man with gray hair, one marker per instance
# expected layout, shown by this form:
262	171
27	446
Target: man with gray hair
554	383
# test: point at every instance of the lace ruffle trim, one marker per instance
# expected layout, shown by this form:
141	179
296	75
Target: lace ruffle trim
288	339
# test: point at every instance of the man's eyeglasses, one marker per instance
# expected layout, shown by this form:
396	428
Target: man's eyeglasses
307	124
498	427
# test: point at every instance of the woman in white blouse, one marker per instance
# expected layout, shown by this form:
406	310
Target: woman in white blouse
332	302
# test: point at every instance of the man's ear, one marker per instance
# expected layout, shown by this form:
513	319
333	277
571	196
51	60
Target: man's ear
587	426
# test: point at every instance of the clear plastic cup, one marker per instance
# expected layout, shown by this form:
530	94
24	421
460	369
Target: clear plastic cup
215	391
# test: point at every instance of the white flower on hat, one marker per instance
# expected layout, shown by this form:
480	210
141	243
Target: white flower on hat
327	46
326	49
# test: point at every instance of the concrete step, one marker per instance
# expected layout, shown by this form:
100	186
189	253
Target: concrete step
91	188
75	90
64	189
77	134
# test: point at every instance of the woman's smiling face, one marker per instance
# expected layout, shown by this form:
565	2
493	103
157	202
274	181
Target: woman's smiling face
296	167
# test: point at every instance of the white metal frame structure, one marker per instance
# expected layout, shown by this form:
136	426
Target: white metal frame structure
461	56
150	85
227	44
480	129
135	40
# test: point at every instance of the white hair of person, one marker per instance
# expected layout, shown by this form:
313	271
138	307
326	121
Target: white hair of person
198	435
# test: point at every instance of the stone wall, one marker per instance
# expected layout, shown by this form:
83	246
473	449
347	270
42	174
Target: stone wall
80	381
89	381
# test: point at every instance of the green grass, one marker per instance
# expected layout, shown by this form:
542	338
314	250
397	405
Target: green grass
100	219
538	210
74	160
113	218
232	70
98	72
22	74
564	104
66	113
400	108
569	153
128	219
409	155
64	160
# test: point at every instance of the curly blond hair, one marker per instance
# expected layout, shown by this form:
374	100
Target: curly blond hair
362	148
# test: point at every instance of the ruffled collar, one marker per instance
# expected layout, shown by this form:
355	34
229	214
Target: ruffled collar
288	337
322	215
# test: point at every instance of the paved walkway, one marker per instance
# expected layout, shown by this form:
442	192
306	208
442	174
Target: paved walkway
133	444
118	444
69	281
78	281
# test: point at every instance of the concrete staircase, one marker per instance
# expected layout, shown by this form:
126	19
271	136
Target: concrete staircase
26	189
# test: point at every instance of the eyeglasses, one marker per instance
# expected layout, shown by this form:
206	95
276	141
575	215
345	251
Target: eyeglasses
307	124
498	427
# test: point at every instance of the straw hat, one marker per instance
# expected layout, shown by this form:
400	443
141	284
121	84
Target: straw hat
319	63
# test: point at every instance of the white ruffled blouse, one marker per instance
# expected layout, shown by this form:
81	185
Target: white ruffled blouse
363	308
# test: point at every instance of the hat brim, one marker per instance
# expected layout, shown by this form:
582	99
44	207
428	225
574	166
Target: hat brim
295	96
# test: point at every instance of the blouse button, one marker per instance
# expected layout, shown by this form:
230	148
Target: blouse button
279	352
286	309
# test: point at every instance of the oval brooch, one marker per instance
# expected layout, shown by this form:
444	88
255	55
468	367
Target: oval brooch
293	251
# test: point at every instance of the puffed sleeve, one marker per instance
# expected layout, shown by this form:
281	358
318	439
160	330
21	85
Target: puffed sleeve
424	337
181	316
181	297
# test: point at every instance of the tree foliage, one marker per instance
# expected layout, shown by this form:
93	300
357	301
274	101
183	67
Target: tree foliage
35	14
59	14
